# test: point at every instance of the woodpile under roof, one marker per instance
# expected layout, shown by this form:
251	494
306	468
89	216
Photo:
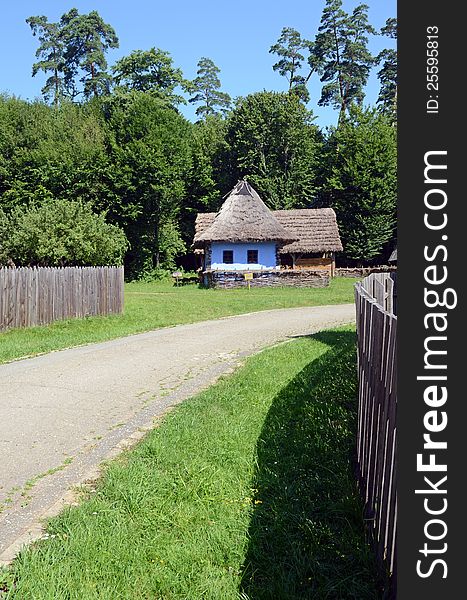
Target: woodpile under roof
243	217
312	229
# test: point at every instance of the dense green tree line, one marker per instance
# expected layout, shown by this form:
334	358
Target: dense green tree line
109	152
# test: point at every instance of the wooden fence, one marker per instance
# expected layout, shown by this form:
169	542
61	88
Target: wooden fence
376	438
38	296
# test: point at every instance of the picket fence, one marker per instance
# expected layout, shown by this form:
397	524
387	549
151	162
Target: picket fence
376	439
40	295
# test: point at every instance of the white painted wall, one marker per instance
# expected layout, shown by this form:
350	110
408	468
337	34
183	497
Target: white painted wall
266	256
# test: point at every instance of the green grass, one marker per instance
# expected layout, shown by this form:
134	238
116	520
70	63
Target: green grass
153	305
244	492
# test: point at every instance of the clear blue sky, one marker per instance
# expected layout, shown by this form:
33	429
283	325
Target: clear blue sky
236	35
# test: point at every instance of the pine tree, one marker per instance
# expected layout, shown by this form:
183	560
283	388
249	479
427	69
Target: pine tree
87	39
206	87
341	56
51	52
289	48
387	76
76	45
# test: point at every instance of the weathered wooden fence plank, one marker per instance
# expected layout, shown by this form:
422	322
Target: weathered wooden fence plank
41	295
376	434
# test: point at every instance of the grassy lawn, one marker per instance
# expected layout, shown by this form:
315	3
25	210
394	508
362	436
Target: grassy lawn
243	492
153	305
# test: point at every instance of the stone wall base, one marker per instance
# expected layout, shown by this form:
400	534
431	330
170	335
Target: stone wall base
290	278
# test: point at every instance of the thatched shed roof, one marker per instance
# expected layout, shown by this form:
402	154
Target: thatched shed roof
243	218
315	229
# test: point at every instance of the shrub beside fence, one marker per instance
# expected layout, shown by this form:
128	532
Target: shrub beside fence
376	439
41	295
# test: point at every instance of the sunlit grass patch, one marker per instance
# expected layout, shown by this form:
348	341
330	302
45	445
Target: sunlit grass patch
245	491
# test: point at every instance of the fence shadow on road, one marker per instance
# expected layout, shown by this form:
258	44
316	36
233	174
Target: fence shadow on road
306	533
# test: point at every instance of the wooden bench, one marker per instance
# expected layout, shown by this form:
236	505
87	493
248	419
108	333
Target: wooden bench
182	279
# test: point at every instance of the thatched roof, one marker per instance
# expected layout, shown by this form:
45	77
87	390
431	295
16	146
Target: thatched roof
315	229
243	218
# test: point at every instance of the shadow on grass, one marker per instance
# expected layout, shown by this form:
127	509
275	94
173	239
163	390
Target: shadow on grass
306	537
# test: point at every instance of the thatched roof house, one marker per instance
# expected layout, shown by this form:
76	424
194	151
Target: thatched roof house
246	236
314	229
243	217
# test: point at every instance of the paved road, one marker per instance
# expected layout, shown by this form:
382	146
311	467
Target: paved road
63	413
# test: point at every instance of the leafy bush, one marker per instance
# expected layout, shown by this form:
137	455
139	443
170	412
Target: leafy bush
154	274
60	233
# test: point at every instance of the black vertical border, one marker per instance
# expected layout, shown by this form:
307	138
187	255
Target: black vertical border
418	133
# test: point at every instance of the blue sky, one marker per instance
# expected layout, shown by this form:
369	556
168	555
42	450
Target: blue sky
236	35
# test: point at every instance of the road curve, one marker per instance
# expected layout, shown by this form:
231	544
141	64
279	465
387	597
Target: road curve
63	413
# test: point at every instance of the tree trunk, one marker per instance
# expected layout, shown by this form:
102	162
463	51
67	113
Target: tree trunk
339	78
55	78
93	76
